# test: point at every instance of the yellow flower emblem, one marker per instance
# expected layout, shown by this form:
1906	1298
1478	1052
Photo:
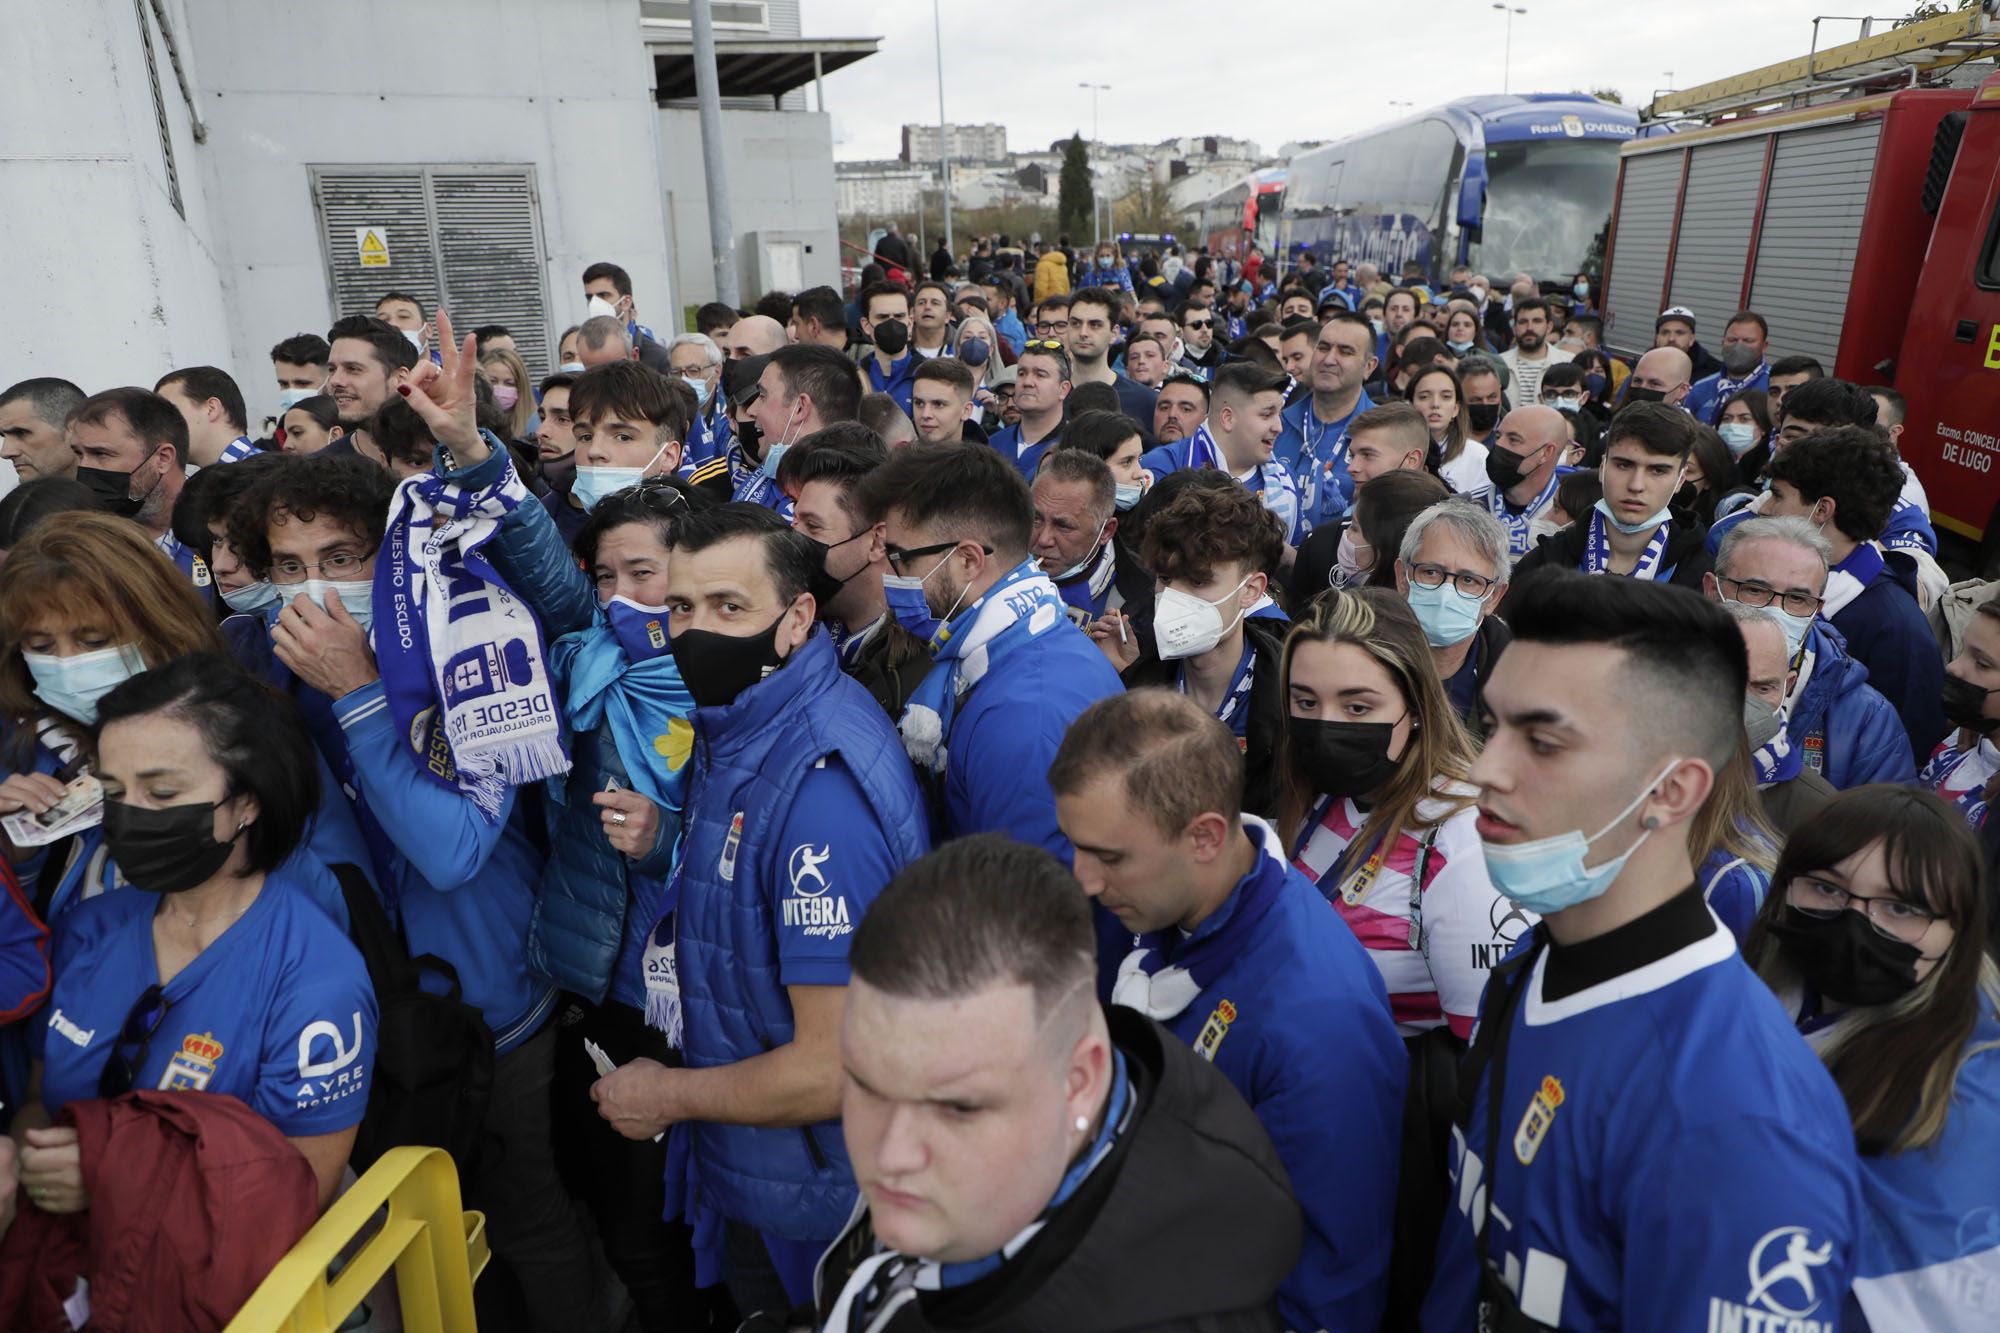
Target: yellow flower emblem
677	744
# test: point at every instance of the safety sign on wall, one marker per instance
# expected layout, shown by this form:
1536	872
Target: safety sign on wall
373	243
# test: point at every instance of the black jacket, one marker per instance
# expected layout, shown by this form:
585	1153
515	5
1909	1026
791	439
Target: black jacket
1187	1227
889	666
1267	706
1493	637
1687	554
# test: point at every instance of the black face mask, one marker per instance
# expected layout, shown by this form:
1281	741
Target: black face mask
718	667
823	586
560	472
750	437
892	336
165	851
112	489
1845	958
1342	758
1483	416
1965	706
1636	394
1506	470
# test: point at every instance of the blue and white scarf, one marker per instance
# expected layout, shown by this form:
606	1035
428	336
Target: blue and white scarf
1086	593
1520	527
461	656
1272	483
1597	550
1960	775
236	451
1165	973
1022	606
1202	448
1778	760
750	484
1851	577
621	673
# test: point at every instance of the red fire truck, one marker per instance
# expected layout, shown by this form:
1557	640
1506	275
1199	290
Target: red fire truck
1852	198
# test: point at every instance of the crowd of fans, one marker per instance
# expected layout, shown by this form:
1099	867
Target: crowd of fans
1083	791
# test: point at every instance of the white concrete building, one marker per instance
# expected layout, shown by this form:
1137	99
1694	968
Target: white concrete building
969	143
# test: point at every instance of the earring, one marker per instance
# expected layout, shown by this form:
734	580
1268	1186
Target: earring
1650	822
1083	1124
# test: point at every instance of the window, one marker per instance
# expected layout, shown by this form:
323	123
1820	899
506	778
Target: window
1989	266
751	15
466	237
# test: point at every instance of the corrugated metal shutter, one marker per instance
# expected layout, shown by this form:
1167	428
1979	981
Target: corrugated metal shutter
1812	222
490	244
467	238
1716	219
1639	250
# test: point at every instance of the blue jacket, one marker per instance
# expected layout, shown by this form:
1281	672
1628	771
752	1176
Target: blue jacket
743	882
1007	443
1299	1024
1007	730
1908	529
1887	632
1315	453
898	382
593	908
1734	889
1850	733
1705	396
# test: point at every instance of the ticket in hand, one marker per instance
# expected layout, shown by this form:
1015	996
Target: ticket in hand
605	1065
81	807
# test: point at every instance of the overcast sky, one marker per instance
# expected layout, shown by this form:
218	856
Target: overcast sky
1317	73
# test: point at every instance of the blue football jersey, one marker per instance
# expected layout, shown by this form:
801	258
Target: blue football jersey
1669	1155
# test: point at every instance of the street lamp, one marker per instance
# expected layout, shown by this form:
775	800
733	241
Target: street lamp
944	130
1095	225
1507	61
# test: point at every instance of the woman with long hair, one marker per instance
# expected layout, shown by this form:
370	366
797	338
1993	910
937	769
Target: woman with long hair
1457	459
513	391
1732	846
1463	333
1744	423
1373	800
1874	939
1965	768
1711	476
1601	378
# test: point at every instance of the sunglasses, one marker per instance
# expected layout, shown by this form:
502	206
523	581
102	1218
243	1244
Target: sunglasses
141	1022
1201	323
1044	345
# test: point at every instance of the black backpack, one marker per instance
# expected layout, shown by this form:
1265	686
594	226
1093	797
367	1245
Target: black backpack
433	1054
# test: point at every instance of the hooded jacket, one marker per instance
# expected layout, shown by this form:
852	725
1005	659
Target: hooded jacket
1051	276
1187	1227
1850	733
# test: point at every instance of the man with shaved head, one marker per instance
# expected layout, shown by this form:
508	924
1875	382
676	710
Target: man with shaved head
1663	375
1521	474
756	335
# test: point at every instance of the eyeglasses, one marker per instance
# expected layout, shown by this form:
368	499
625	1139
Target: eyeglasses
1762	594
1467	585
1897	918
141	1022
897	555
336	567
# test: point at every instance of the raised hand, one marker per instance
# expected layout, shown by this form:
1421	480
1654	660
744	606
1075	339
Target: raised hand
443	395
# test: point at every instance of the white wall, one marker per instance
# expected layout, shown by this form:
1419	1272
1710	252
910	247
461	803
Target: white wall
780	180
119	289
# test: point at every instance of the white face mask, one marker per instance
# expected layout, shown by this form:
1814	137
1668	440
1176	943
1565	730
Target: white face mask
1185	625
600	306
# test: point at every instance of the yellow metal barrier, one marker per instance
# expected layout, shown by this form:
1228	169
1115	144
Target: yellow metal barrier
436	1248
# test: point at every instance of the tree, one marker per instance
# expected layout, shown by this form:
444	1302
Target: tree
1611	95
1932	9
1076	201
1148	210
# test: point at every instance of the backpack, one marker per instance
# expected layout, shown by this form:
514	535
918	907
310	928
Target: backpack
433	1053
1953	611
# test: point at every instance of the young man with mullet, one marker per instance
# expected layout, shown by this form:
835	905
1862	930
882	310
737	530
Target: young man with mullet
1648	1144
1244	419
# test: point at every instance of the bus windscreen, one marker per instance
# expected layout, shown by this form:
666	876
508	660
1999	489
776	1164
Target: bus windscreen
1548	205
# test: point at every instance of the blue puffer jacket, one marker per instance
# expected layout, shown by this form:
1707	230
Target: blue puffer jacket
750	759
1850	733
592	904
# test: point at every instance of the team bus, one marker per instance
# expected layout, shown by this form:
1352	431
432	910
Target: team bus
1244	215
1501	183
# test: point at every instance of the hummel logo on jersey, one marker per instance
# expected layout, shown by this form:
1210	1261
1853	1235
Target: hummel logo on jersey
69	1031
1784	1288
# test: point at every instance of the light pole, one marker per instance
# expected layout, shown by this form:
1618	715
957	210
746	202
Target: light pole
1095	225
1507	61
944	130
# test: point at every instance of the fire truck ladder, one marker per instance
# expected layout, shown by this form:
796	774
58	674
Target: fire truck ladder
1906	54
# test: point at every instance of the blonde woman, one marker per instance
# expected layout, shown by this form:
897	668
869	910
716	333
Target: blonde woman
512	389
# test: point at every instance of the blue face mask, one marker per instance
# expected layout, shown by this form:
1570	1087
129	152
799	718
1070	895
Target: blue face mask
1796	628
974	351
1632	529
73	685
1460	347
571	367
909	605
291	398
253	598
700	387
1740	436
641	630
594	483
1447	615
357	596
1128	496
1582	290
1548	874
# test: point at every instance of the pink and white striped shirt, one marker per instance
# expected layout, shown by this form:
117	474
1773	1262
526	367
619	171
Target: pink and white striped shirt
1434	974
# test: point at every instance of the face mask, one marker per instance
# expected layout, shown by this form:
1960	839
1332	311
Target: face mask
1761	722
892	336
599	306
974	351
909	605
641	629
823	586
506	395
253	598
717	668
1569	407
1795	628
1447	615
1582	290
73	685
560	473
1089	557
1127	496
1185	625
1594	385
1631	529
571	367
1740	436
1478	295
1484	417
1505	470
165	851
1342	758
1965	706
357	596
594	483
112	489
291	398
1548	874
1460	347
1638	394
416	339
1347	559
1739	359
700	387
1845	958
776	453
